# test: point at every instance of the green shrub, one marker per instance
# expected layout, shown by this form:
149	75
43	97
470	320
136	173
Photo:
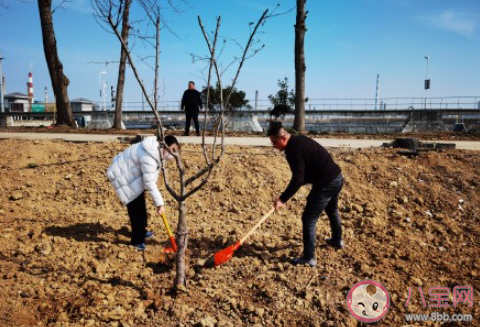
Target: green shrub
292	131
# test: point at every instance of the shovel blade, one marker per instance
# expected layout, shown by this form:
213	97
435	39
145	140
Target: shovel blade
169	250
174	244
226	254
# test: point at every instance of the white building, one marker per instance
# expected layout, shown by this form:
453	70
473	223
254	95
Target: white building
81	105
17	102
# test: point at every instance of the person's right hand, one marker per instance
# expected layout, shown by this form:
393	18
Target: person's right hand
277	204
160	209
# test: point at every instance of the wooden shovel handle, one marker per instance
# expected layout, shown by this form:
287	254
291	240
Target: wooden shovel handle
257	225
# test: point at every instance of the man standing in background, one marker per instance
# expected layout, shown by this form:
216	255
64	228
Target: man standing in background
191	103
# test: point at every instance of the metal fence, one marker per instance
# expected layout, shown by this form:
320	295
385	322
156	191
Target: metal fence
322	115
402	103
314	104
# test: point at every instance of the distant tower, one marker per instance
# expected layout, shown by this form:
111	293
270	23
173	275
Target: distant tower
30	87
46	95
377	91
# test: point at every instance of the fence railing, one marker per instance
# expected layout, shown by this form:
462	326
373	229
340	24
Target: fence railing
313	104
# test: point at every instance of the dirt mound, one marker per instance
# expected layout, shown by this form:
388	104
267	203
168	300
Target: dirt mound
64	258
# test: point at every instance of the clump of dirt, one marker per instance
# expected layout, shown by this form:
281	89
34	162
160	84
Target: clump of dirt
65	259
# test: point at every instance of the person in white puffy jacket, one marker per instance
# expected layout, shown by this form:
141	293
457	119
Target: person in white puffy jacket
135	170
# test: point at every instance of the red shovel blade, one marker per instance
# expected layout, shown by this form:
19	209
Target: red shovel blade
226	254
173	248
169	250
174	244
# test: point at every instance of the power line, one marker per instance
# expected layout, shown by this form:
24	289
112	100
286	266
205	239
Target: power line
106	62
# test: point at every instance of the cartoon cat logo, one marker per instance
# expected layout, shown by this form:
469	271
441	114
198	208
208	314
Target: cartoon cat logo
368	301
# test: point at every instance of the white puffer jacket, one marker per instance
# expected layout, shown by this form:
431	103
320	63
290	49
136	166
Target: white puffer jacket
136	169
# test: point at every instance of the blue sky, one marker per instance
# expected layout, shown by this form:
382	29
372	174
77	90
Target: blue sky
348	43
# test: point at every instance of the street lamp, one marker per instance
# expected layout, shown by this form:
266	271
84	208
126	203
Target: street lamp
2	106
427	82
102	87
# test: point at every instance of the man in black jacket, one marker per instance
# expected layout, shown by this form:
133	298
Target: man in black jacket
310	164
191	103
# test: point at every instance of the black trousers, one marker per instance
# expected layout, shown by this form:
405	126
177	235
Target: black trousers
137	211
189	115
319	199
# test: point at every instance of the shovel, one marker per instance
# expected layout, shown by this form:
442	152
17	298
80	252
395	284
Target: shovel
226	254
173	248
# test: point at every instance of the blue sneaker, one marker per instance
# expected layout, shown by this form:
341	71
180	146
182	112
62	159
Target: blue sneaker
140	246
148	234
302	261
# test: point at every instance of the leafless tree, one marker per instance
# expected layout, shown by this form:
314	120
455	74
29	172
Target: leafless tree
55	67
212	155
119	12
252	48
300	66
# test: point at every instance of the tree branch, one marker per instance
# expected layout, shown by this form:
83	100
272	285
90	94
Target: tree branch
157	117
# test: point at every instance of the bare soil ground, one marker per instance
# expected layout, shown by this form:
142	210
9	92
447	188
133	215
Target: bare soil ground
445	136
64	258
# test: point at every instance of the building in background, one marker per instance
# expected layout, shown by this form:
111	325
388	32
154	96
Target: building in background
81	105
17	102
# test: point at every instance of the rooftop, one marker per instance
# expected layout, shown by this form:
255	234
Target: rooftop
16	95
81	100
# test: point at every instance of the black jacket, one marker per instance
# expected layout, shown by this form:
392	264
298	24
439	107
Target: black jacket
310	164
191	101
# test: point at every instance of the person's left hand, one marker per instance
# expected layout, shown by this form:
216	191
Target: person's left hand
277	204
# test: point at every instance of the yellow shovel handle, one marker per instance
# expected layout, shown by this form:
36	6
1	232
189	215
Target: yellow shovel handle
169	231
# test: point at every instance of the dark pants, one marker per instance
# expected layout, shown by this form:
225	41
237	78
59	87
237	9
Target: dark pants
137	211
319	199
189	115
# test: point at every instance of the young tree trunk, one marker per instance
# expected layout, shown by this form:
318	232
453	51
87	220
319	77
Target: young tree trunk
300	67
182	239
59	80
117	122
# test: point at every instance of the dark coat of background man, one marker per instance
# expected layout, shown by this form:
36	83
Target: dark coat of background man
191	103
310	164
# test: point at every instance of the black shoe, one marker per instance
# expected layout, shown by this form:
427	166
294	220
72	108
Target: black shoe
335	243
185	134
302	261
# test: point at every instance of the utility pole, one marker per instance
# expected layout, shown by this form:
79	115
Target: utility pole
2	106
256	100
427	82
101	86
104	95
112	96
377	92
143	107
